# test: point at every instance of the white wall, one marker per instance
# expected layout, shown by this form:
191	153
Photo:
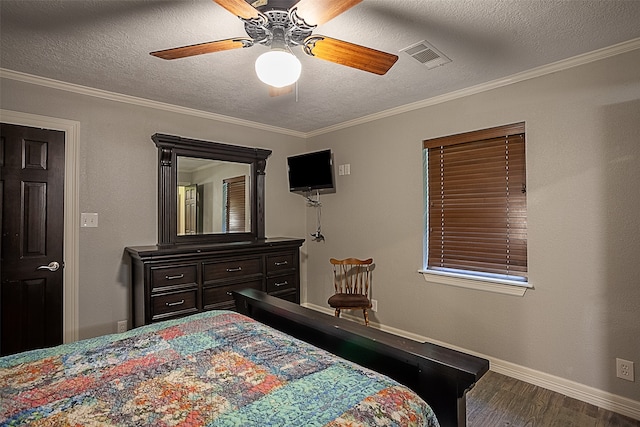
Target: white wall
583	169
118	180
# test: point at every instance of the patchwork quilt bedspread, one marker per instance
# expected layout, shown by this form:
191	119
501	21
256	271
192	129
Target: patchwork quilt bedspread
217	368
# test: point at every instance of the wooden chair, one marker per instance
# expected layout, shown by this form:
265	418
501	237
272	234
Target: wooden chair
351	279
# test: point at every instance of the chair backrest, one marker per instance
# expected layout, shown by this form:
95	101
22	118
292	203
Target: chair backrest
352	275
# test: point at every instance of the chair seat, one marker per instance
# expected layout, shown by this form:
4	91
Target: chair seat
349	300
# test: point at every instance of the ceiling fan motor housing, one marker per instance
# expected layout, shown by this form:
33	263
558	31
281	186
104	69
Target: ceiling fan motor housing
278	27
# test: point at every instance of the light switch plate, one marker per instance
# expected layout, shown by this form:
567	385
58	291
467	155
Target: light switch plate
89	219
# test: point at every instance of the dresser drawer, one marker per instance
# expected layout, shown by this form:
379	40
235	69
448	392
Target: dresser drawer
222	297
170	281
176	303
281	283
174	275
232	269
278	263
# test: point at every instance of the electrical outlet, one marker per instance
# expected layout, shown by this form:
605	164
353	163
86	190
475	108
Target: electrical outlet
374	305
122	326
624	369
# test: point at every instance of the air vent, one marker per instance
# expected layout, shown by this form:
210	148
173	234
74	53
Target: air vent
426	54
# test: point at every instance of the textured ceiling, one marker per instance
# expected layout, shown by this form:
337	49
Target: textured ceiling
105	45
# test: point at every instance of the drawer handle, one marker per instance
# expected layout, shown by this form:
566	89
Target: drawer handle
173	304
281	284
280	263
233	270
229	293
179	276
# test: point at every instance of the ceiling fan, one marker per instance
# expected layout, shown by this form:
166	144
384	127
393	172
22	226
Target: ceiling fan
282	25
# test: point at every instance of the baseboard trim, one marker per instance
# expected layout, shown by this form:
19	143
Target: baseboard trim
594	396
603	399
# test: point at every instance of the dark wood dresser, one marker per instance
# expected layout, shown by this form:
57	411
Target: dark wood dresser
173	281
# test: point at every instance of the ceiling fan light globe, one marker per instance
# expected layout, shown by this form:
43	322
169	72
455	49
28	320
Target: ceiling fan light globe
278	68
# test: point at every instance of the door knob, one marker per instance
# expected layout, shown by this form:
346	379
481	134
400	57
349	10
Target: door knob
53	266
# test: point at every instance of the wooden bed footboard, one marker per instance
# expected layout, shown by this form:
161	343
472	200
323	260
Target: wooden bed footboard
439	375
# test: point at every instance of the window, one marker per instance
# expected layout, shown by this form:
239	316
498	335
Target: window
234	216
477	207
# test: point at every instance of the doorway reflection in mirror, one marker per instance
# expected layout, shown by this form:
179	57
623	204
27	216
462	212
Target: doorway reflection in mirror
213	196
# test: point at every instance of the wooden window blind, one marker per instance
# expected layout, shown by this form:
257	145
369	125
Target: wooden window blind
235	204
477	208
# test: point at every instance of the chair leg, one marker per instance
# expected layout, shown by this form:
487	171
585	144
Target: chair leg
366	317
337	312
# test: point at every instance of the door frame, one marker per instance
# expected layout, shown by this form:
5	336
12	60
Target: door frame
71	129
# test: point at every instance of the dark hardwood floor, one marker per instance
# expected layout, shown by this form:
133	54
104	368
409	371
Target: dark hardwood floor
498	400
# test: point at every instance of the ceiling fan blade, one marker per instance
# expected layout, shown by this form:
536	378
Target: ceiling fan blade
316	12
349	54
277	91
239	8
201	48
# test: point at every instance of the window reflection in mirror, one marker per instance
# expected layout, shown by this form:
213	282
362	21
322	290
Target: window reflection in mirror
213	196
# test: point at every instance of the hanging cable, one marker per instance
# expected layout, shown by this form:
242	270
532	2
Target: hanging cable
317	236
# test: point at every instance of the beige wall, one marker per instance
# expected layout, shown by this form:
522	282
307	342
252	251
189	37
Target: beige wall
118	180
583	168
583	156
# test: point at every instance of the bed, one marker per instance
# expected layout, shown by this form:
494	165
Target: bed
440	375
217	368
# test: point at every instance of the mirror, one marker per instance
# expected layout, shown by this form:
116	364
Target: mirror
209	192
213	196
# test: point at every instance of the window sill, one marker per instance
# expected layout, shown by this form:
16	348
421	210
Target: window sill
499	286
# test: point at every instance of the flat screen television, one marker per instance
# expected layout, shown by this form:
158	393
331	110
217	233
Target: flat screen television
310	171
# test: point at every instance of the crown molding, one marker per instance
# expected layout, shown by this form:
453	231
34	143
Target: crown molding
554	67
142	102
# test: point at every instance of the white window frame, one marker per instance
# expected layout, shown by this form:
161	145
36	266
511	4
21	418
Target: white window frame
461	278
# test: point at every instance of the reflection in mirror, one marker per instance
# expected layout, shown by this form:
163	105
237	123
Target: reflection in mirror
213	196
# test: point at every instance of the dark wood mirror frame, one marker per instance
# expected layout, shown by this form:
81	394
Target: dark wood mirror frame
169	147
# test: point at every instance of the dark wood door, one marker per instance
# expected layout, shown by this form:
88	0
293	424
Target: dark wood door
32	194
